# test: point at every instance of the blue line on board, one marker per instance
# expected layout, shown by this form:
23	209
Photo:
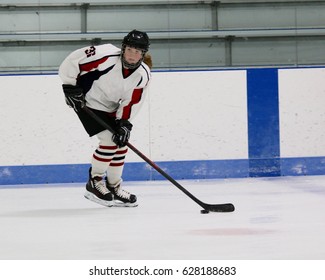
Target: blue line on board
263	122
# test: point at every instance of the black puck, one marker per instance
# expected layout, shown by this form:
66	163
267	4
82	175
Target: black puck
204	211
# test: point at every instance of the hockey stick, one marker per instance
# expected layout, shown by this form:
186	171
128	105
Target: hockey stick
226	207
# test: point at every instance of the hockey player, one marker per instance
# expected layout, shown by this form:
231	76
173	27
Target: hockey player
112	82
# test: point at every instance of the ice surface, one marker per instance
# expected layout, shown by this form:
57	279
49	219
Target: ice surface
275	218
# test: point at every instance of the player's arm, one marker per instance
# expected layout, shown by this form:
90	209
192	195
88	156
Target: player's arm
69	71
127	111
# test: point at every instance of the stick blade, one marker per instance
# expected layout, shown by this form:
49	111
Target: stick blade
226	207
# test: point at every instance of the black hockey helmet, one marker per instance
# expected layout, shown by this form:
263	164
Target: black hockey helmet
137	39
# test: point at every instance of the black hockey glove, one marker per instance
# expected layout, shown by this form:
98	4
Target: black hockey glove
74	96
122	134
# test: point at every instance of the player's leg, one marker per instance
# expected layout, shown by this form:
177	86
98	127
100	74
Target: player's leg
96	189
114	180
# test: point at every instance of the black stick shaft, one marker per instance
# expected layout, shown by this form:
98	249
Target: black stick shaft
157	168
163	173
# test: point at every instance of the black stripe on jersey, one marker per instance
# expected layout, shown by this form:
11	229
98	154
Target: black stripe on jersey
86	81
104	153
118	158
139	82
148	76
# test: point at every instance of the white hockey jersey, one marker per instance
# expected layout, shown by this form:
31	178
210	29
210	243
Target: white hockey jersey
98	69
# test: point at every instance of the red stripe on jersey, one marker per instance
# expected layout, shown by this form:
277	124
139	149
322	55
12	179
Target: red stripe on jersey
136	97
108	147
101	159
116	164
92	65
122	152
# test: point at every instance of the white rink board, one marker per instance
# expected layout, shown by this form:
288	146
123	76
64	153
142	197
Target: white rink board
199	115
37	126
197	123
302	112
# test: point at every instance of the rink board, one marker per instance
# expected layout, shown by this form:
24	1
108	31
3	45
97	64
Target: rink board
194	124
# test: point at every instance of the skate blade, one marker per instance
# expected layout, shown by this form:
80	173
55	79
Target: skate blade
95	199
117	203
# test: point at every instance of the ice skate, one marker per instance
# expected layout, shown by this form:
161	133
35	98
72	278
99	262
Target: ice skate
97	191
122	198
